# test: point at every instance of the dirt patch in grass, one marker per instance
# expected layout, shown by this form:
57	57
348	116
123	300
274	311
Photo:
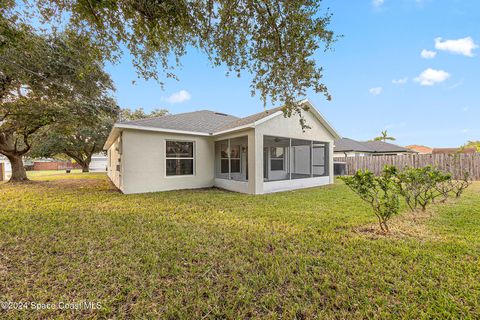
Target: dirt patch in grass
406	225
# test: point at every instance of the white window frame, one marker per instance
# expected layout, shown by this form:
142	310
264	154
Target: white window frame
182	158
276	159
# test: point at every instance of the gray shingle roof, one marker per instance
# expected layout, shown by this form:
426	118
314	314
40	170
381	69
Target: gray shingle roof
203	121
346	144
250	119
380	146
350	145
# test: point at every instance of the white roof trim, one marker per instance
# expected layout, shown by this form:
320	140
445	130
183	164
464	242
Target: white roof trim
146	128
245	126
249	125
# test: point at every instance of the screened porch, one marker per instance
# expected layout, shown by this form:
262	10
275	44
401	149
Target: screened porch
290	159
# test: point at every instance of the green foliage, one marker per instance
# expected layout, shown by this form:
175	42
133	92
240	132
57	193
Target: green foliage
139	113
458	186
289	255
46	80
275	41
384	137
420	186
77	141
381	192
473	144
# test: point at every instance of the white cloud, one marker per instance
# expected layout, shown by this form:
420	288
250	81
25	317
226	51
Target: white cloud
375	91
464	46
377	3
179	97
400	81
427	54
431	76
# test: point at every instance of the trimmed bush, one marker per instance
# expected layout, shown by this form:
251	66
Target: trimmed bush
420	186
381	192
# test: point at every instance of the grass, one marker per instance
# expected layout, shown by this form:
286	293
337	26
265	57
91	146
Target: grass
216	254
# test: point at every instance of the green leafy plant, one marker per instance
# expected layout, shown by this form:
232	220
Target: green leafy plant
381	192
459	186
421	186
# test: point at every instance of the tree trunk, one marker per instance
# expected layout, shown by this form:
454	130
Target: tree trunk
18	170
85	167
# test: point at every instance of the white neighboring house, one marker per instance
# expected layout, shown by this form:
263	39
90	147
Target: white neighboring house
7	166
99	162
258	154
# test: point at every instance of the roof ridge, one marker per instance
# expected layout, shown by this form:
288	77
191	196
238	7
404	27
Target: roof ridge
176	114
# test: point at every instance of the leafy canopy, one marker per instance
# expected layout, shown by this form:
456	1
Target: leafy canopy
274	40
136	114
46	79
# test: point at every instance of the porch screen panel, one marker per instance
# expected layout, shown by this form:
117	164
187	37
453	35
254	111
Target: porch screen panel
276	155
301	159
231	159
239	159
320	165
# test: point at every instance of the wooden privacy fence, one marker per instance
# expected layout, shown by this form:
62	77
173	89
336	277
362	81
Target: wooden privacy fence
456	164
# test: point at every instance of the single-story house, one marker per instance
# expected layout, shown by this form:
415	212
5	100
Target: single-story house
262	153
99	162
346	147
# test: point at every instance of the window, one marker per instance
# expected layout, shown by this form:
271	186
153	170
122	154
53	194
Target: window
277	159
179	158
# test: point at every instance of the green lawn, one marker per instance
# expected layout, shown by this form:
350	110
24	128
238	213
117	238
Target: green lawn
216	254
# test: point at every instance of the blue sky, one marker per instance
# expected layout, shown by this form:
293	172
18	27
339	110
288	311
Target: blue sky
434	100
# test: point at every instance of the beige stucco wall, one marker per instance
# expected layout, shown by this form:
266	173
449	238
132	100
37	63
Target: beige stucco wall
143	161
114	159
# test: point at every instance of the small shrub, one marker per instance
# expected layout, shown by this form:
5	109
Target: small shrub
458	186
381	192
421	186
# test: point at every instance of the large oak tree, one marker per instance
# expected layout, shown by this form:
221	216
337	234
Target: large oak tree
44	79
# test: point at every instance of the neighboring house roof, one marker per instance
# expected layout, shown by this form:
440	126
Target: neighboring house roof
350	145
381	147
454	150
203	121
419	148
208	123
